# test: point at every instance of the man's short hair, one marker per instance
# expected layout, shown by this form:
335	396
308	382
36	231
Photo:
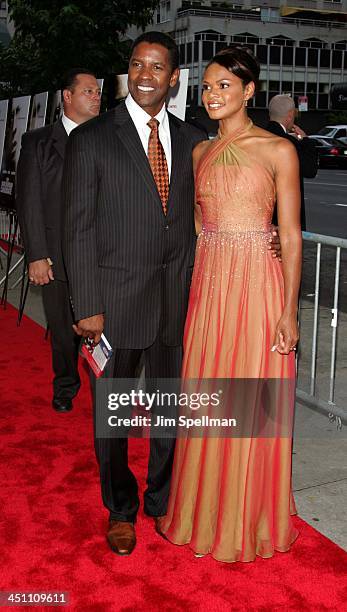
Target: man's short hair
280	106
69	79
159	38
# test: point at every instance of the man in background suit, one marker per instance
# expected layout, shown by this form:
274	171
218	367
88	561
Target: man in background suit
282	123
39	207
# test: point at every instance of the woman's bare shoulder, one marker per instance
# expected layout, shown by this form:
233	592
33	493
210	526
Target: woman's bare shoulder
274	148
272	140
266	137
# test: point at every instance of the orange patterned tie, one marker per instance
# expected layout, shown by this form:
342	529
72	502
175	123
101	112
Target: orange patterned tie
158	163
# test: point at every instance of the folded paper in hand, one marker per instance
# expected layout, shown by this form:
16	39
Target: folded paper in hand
97	355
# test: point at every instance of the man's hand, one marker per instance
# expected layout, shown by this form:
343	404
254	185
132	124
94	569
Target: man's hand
275	245
298	132
40	272
92	327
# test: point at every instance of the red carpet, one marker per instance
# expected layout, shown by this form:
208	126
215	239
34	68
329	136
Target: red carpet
53	521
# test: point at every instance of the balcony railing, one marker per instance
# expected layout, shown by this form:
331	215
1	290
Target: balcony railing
229	15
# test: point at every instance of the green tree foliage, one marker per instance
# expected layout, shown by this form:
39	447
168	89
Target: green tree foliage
52	36
337	118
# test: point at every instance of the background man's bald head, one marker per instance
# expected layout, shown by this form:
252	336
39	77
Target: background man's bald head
280	106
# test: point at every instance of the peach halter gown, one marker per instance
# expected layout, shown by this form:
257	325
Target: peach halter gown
231	497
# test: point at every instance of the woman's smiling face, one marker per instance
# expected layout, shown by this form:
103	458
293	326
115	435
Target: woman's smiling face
224	93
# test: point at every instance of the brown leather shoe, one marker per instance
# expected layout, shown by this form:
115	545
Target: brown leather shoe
121	537
158	522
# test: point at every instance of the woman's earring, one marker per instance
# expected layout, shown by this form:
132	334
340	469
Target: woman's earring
246	102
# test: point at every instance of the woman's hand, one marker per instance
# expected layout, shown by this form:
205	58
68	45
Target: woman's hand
197	219
287	334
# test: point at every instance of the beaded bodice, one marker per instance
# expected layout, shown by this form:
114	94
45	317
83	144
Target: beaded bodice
235	190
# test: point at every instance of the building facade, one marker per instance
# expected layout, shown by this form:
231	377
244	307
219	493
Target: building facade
301	45
6	27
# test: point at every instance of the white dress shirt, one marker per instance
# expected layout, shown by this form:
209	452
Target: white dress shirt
141	118
68	124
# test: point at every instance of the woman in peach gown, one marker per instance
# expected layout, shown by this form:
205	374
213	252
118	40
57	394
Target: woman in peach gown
230	496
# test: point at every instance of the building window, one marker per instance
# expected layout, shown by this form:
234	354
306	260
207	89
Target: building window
193	52
245	38
342	44
262	54
226	7
260	99
323	101
207	50
287	87
182	54
325	58
300	57
220	46
275	55
288	54
299	87
313	43
337	59
312	59
209	35
311	87
164	11
3	6
282	41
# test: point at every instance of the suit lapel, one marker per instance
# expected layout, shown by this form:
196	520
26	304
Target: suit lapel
127	133
59	138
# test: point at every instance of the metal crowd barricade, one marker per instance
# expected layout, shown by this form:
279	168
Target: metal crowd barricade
10	243
10	238
328	406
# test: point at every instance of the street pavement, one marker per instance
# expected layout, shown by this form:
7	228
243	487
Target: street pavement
326	202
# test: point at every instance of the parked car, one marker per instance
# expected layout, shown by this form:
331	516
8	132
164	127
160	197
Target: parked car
333	131
331	152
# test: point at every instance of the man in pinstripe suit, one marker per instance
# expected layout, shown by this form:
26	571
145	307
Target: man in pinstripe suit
39	207
129	261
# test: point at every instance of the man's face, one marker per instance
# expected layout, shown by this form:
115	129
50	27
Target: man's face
150	76
82	102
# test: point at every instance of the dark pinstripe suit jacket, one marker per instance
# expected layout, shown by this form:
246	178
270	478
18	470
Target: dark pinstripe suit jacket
39	204
124	257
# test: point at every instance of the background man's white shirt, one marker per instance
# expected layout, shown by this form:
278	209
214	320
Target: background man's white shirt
68	124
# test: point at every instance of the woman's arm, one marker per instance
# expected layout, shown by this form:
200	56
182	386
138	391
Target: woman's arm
288	206
198	152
